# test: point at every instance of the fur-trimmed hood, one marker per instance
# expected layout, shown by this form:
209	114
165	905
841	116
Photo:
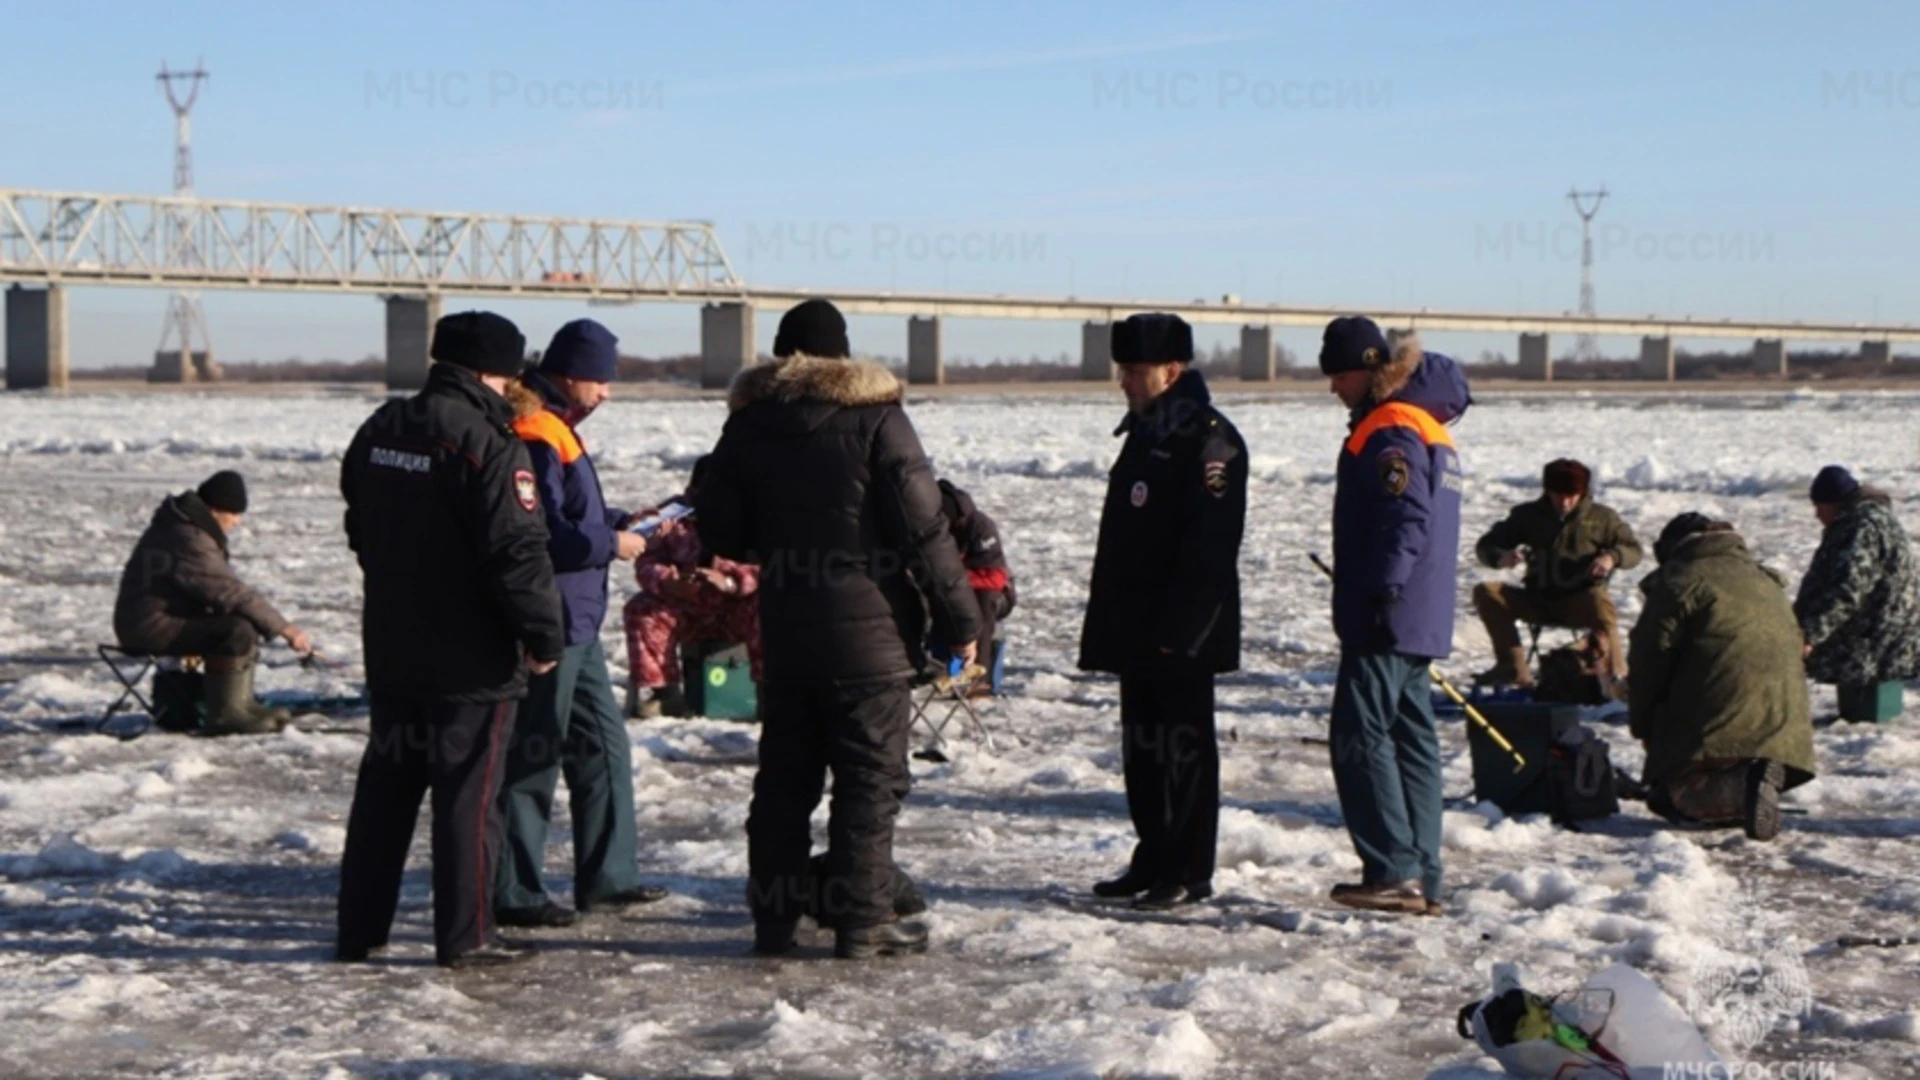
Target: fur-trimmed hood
846	383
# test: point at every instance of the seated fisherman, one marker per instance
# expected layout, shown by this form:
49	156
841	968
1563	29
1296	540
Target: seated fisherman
179	597
1718	694
685	596
1859	603
1571	546
978	539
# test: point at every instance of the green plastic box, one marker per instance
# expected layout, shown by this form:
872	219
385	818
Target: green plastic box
719	681
1872	703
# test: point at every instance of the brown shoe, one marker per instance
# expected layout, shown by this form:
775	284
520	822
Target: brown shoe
1400	898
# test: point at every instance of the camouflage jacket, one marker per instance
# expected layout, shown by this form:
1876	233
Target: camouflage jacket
1859	604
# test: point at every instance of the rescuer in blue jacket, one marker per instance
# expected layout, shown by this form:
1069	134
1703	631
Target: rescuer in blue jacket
571	722
1396	538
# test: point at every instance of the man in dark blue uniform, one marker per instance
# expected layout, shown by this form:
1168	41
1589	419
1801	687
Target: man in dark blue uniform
443	513
1163	612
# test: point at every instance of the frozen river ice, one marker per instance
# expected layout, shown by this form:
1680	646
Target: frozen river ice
166	904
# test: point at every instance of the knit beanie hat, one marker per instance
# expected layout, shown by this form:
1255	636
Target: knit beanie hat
1834	484
225	490
1352	343
584	350
814	327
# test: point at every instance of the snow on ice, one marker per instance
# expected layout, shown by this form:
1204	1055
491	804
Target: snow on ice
166	905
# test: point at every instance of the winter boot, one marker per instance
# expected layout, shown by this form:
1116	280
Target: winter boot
1764	781
669	700
893	938
231	707
1511	671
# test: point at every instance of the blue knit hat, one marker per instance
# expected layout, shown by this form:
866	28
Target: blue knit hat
584	350
1352	343
1834	484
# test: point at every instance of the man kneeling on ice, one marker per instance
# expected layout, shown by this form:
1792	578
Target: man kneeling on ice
179	597
1718	692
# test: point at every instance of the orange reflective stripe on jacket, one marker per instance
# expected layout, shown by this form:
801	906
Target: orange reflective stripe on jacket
1399	414
547	427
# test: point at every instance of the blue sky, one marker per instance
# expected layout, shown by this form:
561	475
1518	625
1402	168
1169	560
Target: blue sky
1760	155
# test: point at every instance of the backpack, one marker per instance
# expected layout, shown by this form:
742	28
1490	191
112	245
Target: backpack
179	701
1580	778
1570	676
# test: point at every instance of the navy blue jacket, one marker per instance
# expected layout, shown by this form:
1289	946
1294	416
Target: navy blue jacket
1396	518
582	530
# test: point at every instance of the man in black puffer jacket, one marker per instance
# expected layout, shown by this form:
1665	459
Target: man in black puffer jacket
820	480
443	512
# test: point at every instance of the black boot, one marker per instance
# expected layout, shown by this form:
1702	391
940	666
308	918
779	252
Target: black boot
894	938
639	894
774	938
907	900
1168	897
492	954
1131	883
1764	781
543	916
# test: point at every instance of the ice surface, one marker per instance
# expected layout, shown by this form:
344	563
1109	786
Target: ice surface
166	904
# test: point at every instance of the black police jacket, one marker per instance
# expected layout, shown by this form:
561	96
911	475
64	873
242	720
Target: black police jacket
443	513
1166	581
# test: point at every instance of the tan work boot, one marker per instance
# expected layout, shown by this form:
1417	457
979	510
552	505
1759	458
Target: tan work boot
231	707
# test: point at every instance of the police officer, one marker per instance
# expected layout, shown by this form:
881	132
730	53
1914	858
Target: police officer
1163	612
443	512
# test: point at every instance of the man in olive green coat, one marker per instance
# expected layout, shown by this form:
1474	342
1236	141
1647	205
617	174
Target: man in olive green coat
1571	545
1718	694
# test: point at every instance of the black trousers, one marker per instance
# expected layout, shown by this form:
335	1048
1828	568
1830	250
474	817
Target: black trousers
1172	764
860	736
457	752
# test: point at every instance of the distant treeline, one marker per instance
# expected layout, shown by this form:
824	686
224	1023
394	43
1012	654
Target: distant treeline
1221	362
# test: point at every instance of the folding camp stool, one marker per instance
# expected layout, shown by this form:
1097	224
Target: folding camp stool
120	662
953	689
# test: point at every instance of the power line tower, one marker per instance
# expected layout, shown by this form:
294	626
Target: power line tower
177	360
1586	347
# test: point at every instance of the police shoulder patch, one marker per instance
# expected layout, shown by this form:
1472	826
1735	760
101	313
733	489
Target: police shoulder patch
1215	478
1395	474
524	489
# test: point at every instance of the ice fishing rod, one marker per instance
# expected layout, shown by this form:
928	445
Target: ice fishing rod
1519	762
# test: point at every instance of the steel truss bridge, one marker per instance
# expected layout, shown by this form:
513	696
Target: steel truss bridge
50	240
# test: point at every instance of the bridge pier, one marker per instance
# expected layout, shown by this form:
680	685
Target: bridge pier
1656	358
36	338
1096	352
170	367
1536	358
926	362
1877	352
1256	354
410	322
726	343
1770	357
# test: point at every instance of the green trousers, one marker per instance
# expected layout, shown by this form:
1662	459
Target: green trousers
569	725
